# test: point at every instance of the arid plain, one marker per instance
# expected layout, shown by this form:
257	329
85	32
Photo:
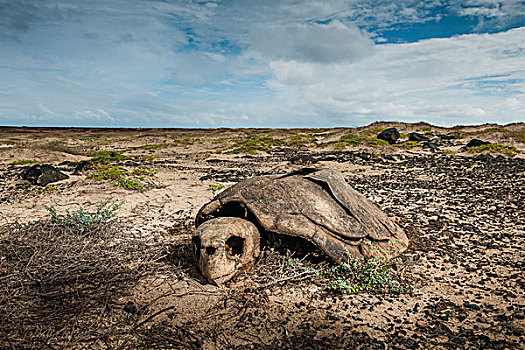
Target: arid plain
130	281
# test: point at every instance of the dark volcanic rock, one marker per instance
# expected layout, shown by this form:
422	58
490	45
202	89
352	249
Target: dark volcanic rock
389	157
432	145
390	135
43	174
476	143
414	136
82	166
452	136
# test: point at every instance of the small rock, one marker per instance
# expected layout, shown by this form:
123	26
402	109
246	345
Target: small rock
364	156
414	136
471	306
485	157
433	146
453	136
43	174
390	135
130	308
82	166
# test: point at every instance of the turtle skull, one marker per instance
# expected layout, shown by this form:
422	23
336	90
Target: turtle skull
223	245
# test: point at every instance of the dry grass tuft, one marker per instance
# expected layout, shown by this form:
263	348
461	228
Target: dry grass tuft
63	288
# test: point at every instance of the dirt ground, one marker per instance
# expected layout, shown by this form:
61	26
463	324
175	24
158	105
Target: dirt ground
462	275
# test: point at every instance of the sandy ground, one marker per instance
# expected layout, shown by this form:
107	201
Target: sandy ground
463	212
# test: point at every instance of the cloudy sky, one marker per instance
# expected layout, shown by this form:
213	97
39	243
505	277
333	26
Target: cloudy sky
258	63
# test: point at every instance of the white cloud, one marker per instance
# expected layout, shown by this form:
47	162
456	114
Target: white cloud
411	82
251	63
323	43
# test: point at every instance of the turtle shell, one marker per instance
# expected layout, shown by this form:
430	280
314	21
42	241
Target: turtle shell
318	206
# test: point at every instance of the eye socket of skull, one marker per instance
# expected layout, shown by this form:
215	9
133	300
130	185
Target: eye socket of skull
235	245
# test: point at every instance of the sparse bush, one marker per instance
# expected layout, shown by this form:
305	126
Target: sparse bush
138	171
215	187
123	177
301	140
128	184
359	275
22	161
254	144
106	157
375	275
108	172
494	147
81	218
409	144
375	142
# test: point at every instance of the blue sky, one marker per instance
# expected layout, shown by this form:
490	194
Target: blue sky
257	63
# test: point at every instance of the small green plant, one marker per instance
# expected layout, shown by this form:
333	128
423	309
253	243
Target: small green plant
138	172
359	275
106	157
494	147
448	151
146	157
301	140
409	144
108	172
253	144
128	184
484	131
22	161
375	142
124	178
80	219
215	187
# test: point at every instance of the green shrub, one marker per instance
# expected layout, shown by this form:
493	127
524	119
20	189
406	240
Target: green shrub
359	275
215	187
81	218
484	131
253	144
138	172
301	140
494	147
108	172
409	144
106	157
123	177
23	161
376	275
375	142
128	184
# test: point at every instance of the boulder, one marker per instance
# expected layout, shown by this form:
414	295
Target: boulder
476	143
390	135
43	174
